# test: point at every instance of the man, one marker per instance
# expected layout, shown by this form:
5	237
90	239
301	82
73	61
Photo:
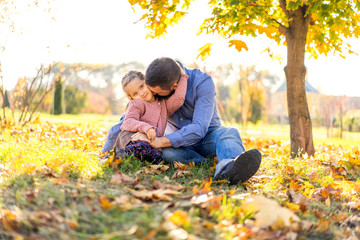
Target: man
196	127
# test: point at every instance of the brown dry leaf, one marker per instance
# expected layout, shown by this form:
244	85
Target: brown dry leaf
159	185
269	213
154	195
298	199
153	169
180	173
120	178
124	202
326	192
161	168
338	171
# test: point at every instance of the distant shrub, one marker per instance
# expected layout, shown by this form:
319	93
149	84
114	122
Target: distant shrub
75	100
352	121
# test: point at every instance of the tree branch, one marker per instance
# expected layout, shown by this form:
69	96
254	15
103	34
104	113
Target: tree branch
283	7
282	29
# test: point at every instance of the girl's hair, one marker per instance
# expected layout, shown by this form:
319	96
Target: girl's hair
130	76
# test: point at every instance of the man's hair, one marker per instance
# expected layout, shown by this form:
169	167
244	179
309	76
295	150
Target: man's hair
130	76
162	72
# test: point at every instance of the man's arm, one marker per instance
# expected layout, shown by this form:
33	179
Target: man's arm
203	112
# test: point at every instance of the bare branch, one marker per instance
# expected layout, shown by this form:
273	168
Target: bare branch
27	95
42	75
41	100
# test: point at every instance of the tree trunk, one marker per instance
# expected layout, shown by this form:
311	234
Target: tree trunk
295	71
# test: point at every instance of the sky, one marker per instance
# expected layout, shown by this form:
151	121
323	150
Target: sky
94	31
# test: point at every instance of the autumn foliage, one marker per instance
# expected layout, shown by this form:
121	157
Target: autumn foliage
54	187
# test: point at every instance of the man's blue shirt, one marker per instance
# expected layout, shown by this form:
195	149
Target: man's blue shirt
198	112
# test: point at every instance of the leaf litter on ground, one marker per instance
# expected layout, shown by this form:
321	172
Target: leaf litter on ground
52	187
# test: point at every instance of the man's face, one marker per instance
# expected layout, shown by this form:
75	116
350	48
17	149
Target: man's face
163	92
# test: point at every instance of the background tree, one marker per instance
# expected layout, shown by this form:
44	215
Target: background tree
6	100
75	100
58	107
313	26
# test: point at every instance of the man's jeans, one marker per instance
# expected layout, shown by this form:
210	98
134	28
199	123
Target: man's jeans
223	142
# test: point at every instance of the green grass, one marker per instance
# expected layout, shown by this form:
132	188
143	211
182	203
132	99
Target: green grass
52	187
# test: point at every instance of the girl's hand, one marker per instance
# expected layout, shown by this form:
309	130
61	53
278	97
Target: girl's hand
151	134
139	137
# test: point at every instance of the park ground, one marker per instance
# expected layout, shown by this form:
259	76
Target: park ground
52	186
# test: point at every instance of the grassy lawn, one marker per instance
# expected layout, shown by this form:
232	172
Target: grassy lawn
52	186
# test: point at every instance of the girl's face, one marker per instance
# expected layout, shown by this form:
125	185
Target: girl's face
137	89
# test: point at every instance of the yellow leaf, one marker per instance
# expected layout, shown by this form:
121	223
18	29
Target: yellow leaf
179	217
204	51
239	45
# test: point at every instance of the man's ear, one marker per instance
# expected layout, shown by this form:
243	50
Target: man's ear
174	86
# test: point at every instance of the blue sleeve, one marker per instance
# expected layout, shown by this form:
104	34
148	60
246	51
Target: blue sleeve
112	135
204	108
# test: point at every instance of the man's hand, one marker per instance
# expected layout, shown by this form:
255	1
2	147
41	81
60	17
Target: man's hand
160	142
151	134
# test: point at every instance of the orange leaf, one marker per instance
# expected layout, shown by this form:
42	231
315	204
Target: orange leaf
105	203
239	45
73	224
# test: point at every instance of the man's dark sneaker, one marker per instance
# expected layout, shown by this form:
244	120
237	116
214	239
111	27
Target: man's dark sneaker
242	168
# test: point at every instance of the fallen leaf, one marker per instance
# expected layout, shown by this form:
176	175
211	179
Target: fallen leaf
73	224
120	178
180	218
180	173
153	169
105	203
180	165
154	195
159	185
268	213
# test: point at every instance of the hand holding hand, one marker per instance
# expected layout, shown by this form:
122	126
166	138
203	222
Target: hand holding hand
151	134
139	137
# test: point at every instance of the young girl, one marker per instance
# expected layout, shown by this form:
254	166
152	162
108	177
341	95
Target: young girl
146	114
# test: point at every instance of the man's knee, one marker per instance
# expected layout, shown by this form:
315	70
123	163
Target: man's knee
169	154
230	132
